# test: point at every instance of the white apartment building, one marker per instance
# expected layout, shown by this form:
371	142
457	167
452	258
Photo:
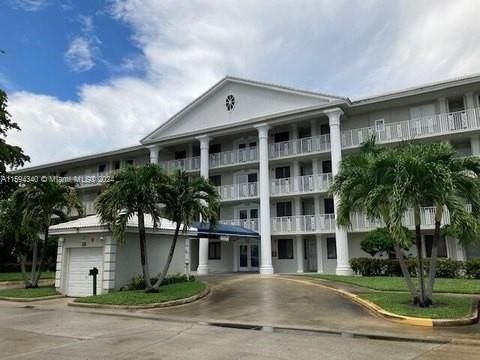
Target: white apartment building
273	151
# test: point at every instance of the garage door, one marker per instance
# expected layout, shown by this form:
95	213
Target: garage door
81	260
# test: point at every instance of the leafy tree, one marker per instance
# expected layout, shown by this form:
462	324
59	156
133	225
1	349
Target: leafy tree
43	204
378	242
183	198
132	193
10	155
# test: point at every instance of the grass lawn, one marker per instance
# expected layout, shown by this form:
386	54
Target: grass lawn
17	276
444	306
139	297
387	283
29	293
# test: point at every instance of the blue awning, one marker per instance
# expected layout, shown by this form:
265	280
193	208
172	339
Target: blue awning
223	230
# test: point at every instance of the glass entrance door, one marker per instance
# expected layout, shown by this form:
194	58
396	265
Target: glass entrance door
249	257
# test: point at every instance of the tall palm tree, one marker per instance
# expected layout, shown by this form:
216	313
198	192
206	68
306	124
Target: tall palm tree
132	193
365	183
184	197
46	202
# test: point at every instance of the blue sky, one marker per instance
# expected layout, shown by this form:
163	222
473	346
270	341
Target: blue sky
88	76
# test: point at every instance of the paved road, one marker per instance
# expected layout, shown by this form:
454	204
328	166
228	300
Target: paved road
275	301
57	332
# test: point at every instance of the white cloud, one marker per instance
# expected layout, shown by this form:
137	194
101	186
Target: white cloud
344	47
79	55
30	5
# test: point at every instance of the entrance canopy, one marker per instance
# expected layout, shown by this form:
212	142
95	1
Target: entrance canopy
223	231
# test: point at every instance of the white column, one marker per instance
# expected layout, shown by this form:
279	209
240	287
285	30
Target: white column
203	242
475	144
299	253
469	100
109	264
442	102
264	194
236	255
59	270
320	268
295	137
154	149
296	176
343	265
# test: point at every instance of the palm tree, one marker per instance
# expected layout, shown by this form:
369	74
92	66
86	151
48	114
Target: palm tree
44	202
132	193
365	183
184	197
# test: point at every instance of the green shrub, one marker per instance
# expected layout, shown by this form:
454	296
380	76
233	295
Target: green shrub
448	268
472	268
367	266
138	283
378	242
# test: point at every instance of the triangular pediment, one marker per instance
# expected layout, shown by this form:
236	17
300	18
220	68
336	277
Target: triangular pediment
246	100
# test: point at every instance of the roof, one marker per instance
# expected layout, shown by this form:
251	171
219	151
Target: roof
114	152
147	139
92	223
204	229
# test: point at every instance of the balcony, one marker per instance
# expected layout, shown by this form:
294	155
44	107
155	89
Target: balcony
300	184
238	191
187	164
301	146
433	125
303	224
233	157
250	224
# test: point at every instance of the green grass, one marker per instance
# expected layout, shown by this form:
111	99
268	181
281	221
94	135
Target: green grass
444	306
387	283
29	293
139	297
17	276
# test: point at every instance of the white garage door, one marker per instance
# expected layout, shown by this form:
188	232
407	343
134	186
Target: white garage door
81	260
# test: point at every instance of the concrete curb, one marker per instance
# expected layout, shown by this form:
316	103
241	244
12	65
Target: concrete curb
7	298
170	303
409	320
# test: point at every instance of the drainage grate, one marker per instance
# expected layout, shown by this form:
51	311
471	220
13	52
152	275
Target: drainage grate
236	326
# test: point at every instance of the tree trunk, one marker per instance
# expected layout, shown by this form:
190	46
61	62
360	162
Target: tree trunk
34	262
43	252
21	258
406	273
434	255
163	274
143	250
420	272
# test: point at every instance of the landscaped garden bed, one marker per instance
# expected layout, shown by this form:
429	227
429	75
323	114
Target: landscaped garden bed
175	291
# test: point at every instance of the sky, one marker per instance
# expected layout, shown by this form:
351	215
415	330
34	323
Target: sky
89	76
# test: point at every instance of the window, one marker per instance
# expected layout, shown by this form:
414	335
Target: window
253	177
304	133
116	165
331	248
215	148
230	102
282	172
196	150
242	146
284	208
326	166
216	180
180	155
442	246
324	129
102	168
252	144
253	213
379	125
281	137
285	249
214	250
456	104
243	214
129	162
328	206
63	173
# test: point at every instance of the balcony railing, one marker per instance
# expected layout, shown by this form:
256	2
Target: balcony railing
300	146
238	191
187	164
438	124
250	224
233	157
301	184
321	223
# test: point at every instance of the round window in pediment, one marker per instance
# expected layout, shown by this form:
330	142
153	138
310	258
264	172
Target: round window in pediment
230	102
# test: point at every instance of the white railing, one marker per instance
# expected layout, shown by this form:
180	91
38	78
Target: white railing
321	223
301	184
250	224
232	157
438	124
238	191
300	146
187	164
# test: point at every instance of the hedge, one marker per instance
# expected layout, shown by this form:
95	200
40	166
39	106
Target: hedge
446	268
